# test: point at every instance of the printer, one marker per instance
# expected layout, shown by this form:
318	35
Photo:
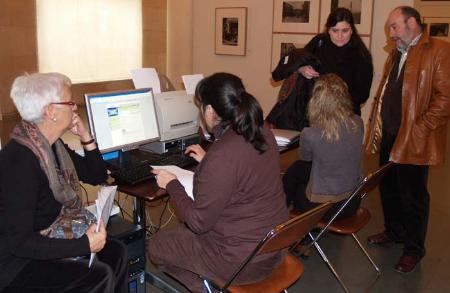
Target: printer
178	122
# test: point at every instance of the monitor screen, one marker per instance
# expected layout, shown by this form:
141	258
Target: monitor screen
122	120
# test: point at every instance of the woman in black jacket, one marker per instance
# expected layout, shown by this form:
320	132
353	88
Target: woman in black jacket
43	227
340	50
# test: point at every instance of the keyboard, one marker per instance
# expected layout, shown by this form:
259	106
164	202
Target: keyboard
141	171
134	173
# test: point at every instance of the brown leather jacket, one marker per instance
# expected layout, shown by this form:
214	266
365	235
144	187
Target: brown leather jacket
425	105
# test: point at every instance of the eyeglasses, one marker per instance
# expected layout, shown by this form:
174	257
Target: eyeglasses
70	103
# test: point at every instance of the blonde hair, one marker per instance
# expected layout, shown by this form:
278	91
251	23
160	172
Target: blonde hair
331	106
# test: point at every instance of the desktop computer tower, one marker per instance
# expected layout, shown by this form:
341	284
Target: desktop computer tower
133	236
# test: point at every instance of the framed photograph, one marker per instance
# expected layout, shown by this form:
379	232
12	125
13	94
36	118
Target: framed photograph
231	31
438	27
294	16
283	44
361	10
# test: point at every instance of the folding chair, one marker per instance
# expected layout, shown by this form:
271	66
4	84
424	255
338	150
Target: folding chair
351	225
289	271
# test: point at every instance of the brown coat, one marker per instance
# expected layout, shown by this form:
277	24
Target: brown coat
425	105
238	199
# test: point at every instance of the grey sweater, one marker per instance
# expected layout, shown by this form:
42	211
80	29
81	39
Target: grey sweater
336	166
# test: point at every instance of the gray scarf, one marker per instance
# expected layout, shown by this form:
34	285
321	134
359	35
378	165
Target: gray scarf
73	219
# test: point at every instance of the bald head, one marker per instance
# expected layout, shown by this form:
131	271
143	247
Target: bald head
404	25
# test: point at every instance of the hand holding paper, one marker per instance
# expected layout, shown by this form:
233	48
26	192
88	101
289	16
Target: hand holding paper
104	204
185	177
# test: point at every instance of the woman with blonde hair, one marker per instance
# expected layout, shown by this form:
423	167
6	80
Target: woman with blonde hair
330	150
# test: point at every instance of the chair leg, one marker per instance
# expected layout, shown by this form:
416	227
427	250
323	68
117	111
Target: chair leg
206	286
330	266
367	254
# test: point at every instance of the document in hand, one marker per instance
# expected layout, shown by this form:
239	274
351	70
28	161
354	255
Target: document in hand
104	204
285	137
185	177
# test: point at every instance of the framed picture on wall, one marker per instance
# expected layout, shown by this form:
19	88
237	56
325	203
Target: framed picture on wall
294	16
361	10
283	44
231	31
438	27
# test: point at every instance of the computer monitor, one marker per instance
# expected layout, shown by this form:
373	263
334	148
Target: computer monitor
122	120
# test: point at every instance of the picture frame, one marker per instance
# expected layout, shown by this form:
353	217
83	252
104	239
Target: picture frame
283	43
438	27
296	16
231	31
362	13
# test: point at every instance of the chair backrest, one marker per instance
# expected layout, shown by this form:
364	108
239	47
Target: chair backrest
366	185
284	235
288	233
372	180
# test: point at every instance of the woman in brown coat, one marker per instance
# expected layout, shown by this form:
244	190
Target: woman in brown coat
238	195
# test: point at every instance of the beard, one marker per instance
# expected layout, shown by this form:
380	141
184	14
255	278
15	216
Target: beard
401	44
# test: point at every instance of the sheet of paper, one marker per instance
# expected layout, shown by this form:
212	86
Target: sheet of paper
145	78
285	137
185	177
190	82
103	204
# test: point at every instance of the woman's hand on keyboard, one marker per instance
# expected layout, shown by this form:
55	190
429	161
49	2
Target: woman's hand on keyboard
195	151
163	177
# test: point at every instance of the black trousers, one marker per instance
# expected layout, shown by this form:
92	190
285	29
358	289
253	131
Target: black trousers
294	184
405	201
108	273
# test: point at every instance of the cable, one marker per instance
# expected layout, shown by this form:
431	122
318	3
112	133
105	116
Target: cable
161	216
86	193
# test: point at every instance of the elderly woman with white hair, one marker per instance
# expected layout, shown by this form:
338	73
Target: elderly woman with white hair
43	228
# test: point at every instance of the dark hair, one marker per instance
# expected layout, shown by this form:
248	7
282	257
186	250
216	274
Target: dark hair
408	12
343	14
227	96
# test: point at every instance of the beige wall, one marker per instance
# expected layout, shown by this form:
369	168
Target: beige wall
18	47
254	68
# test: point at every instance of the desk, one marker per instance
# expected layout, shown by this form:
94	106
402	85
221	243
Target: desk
149	191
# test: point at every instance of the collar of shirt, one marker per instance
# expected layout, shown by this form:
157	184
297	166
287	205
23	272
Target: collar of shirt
404	53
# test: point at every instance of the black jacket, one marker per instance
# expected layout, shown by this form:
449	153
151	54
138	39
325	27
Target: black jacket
348	62
27	205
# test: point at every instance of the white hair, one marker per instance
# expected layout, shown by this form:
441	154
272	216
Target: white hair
31	93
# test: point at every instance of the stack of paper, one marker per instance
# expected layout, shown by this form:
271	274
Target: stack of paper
285	137
146	78
104	204
185	177
190	82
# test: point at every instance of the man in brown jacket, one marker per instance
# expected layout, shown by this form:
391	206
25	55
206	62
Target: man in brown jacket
408	126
